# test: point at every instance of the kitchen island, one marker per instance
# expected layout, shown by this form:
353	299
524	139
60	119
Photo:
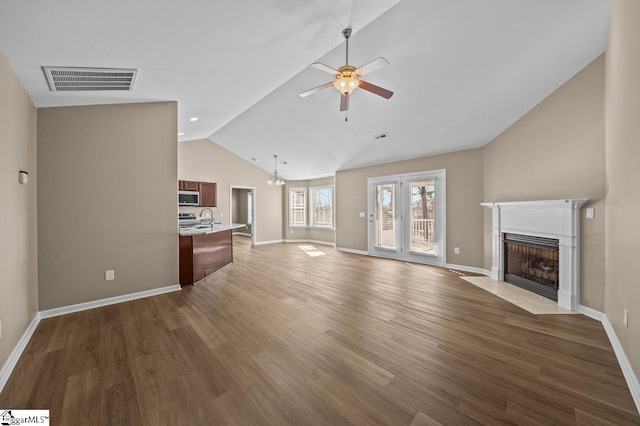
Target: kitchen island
204	249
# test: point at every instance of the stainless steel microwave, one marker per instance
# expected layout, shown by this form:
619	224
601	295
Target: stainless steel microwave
188	198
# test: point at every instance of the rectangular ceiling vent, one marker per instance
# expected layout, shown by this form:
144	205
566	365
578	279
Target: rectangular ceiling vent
381	136
73	79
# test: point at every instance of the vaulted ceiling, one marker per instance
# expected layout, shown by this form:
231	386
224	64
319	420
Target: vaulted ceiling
461	71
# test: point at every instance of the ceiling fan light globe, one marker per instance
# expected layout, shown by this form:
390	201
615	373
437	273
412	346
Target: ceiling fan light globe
346	85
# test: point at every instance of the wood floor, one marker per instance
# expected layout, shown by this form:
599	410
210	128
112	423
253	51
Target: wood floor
282	337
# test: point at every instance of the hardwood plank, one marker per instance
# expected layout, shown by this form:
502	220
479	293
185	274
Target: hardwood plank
278	337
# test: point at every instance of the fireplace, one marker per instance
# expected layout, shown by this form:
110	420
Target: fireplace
537	221
533	264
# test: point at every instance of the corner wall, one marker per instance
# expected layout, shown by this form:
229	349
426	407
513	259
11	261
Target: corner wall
556	151
308	233
203	160
18	211
623	174
464	195
107	200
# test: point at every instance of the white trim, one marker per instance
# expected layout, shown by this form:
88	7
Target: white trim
354	251
253	209
625	365
590	312
557	219
471	269
261	243
324	243
244	234
16	353
108	301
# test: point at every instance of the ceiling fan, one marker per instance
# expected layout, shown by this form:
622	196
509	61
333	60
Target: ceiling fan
348	77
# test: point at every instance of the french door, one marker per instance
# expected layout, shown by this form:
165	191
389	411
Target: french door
406	217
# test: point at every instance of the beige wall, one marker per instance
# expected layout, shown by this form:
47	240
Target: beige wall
106	200
18	212
203	160
464	195
240	203
306	233
623	174
556	151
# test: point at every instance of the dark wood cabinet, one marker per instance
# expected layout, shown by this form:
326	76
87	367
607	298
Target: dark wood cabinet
202	255
208	196
207	190
188	185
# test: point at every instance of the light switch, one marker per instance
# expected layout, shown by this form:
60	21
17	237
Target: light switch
362	214
109	275
590	213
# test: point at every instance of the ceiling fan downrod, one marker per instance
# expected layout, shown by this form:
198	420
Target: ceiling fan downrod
347	33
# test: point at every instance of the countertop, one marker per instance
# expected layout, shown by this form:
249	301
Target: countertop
202	229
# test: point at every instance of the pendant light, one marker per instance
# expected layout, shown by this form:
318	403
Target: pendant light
275	180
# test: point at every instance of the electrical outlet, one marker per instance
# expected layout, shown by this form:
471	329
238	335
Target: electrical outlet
109	275
626	318
456	250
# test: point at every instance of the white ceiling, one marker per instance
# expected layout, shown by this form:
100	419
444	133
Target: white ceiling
462	70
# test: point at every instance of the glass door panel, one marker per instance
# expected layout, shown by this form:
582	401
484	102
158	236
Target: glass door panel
422	216
385	214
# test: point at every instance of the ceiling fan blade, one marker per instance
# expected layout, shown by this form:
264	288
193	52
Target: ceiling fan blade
315	90
323	67
372	66
344	102
375	89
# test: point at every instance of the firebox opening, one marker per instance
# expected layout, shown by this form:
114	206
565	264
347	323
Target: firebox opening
532	263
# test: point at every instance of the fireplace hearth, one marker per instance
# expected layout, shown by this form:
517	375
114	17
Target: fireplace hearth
532	263
557	220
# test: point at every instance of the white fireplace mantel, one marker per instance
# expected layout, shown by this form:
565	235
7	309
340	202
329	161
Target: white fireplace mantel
557	219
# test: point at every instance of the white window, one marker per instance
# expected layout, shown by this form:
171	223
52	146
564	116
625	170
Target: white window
297	206
321	205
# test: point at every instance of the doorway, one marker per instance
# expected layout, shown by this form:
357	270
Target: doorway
407	217
242	210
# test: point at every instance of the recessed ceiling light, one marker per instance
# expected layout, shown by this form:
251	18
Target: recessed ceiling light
193	119
181	133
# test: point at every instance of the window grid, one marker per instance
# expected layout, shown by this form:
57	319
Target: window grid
297	207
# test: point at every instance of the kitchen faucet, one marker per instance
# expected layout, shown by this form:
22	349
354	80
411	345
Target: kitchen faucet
213	220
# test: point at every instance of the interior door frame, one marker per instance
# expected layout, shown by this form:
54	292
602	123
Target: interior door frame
253	208
402	210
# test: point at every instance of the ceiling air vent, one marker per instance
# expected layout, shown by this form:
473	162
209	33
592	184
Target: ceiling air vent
381	136
68	79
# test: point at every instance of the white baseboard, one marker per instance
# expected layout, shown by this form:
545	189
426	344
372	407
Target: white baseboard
261	243
11	362
324	243
591	313
471	269
348	250
16	353
625	365
244	234
108	301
